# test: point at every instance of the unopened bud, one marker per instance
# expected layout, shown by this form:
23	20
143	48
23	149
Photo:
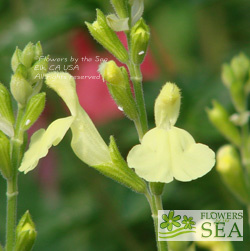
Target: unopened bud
21	69
240	66
227	75
28	54
119	87
231	171
237	91
20	89
6	110
140	35
111	73
34	109
16	59
167	106
219	117
107	37
38	70
5	163
25	233
38	51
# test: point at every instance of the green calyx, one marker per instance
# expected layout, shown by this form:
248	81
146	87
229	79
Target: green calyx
118	84
231	171
20	88
33	110
6	111
120	7
156	188
5	164
25	233
101	31
219	117
119	171
140	35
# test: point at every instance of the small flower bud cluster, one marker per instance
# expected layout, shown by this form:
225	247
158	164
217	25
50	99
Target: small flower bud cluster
233	161
25	86
28	70
236	77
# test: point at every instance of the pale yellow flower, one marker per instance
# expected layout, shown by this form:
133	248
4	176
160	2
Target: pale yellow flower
167	152
87	143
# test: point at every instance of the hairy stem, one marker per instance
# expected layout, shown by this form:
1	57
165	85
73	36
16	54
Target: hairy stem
155	203
12	185
136	78
12	193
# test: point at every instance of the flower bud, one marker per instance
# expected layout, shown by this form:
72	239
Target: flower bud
121	8
20	89
21	69
238	96
117	24
25	233
167	106
6	110
119	171
140	35
111	73
38	70
137	8
240	66
34	109
107	37
28	54
227	75
119	87
221	120
231	171
16	59
5	163
38	51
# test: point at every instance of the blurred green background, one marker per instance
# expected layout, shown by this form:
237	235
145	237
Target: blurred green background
73	206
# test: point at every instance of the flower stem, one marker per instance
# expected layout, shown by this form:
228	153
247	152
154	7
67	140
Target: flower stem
248	211
136	77
155	203
12	185
11	212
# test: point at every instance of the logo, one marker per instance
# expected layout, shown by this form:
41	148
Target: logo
200	225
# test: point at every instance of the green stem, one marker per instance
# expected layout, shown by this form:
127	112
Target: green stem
136	77
12	193
155	203
248	212
12	185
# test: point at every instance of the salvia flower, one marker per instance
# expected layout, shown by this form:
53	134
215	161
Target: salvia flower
82	127
167	152
86	143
